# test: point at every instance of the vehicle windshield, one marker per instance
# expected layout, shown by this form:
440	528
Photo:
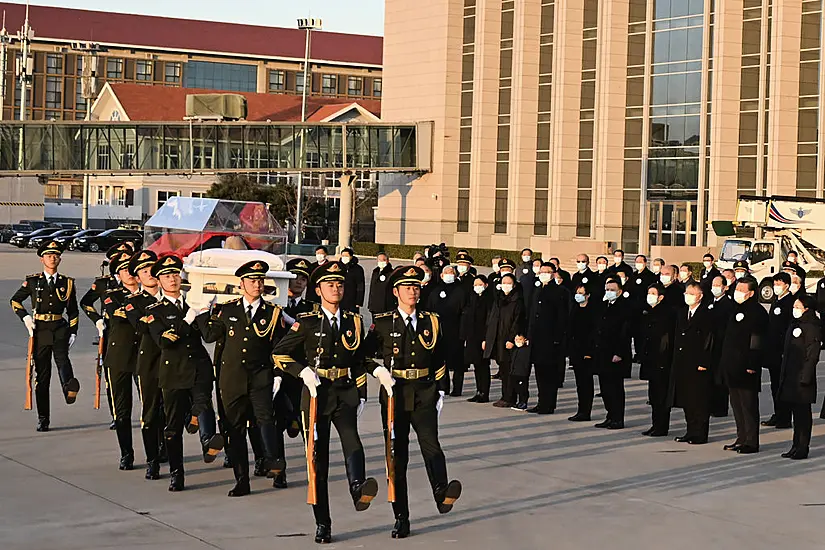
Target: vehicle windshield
733	251
21	227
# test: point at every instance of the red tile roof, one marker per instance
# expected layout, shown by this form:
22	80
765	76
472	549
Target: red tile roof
165	33
162	104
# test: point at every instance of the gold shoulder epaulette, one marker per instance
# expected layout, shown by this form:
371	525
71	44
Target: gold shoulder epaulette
309	314
156	304
432	314
382	315
33	275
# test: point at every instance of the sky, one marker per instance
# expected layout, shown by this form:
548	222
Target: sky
354	16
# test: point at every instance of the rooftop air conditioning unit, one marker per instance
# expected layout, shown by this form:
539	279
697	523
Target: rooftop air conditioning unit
216	106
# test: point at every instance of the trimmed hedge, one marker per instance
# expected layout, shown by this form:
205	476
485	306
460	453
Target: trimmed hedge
481	256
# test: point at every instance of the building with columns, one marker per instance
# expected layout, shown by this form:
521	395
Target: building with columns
583	125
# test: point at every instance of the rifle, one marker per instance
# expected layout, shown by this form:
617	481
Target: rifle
29	360
312	496
98	372
390	448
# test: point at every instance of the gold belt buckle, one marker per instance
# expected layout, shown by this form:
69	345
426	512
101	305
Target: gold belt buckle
412	374
334	373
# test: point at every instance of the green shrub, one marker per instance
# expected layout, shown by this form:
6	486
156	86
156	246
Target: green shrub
481	256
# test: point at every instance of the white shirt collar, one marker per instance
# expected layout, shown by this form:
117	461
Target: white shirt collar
405	316
254	305
330	315
50	276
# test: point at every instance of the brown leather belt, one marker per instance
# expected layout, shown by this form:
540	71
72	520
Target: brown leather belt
411	374
333	373
47	317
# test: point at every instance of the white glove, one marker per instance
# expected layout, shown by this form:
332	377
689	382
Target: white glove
276	386
72	338
190	315
440	403
311	381
29	322
269	298
100	326
361	406
385	378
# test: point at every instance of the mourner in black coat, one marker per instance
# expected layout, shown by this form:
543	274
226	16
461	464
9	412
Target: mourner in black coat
636	288
743	356
691	375
379	299
584	275
619	266
353	283
580	350
506	321
448	299
521	360
708	273
473	329
720	307
612	352
656	326
780	319
674	290
797	384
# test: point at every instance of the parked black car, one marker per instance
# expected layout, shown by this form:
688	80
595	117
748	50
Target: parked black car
9	231
35	242
68	225
69	240
40	224
22	240
107	239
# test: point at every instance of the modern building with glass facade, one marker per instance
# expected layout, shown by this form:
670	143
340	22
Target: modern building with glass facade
581	125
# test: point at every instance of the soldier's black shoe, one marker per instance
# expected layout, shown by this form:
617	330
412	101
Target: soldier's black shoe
445	498
153	470
280	481
732	447
193	425
212	448
579	417
540	410
483	398
790	453
747	450
294	429
615	425
658	433
127	462
113	425
401	530
227	462
323	534
769	422
473	399
274	467
259	470
800	454
603	424
70	390
647	431
241	489
42	424
682	439
363	493
176	481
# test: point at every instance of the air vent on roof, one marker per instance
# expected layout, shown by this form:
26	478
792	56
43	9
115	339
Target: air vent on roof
215	106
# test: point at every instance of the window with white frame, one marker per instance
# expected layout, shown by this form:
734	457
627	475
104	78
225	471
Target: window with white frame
120	196
163	196
198	195
101	196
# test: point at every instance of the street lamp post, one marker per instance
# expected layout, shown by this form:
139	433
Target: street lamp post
89	91
308	25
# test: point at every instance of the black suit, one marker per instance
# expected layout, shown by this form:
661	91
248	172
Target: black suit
612	339
547	321
655	350
780	319
706	279
449	302
692	387
589	278
721	310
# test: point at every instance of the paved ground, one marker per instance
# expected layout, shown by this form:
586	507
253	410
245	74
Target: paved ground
530	482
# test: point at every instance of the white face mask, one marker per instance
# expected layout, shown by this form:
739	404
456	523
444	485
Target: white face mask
640	267
580	298
610	295
730	282
427	277
708	265
581	266
656	269
683	276
478	289
797	313
525	259
652	300
536	269
739	297
666	279
779	290
794	288
506	289
617	260
601	267
345	259
545	277
558	280
448	278
382	265
690	299
462	268
792	259
623	280
519	343
739	274
320	258
717	291
496	268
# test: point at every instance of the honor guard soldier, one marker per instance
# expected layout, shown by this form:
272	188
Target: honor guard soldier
121	355
185	373
97	292
414	379
53	299
296	304
247	328
152	419
332	369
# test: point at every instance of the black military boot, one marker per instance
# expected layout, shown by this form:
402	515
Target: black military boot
446	496
279	482
124	440
70	390
241	470
323	534
362	489
150	446
163	455
401	529
174	446
43	424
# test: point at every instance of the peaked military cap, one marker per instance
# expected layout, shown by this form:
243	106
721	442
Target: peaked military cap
407	276
506	262
741	264
256	269
463	257
119	261
50	247
330	271
117	249
142	259
298	266
167	264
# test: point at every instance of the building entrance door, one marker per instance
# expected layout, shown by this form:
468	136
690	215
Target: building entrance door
672	223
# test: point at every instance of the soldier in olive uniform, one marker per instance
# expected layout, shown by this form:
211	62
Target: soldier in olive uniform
411	345
96	292
247	328
185	374
152	418
120	359
52	296
333	372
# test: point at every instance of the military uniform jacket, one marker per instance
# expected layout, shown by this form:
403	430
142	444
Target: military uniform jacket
60	301
246	347
310	343
183	359
148	353
392	342
97	292
123	339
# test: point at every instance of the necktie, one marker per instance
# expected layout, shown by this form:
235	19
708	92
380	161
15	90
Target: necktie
51	283
334	325
291	303
179	304
410	329
690	314
249	313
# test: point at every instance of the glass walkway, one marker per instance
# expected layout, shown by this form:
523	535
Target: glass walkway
63	148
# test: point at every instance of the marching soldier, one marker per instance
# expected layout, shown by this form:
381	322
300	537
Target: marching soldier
332	369
247	328
52	295
296	303
414	373
185	374
152	419
121	355
97	292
